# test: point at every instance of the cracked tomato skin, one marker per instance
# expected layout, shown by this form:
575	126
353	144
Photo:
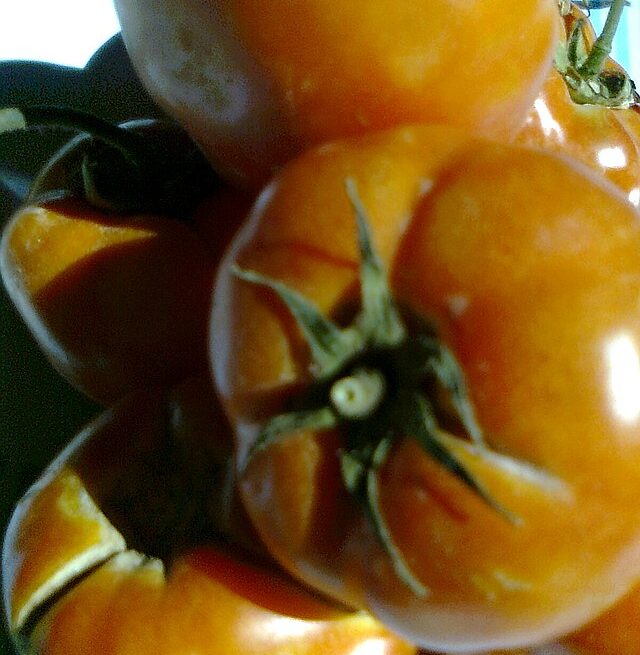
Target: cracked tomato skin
118	302
528	267
82	568
255	86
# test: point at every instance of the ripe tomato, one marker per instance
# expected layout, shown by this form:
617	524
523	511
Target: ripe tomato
255	85
117	549
607	140
117	303
613	633
509	268
604	138
111	261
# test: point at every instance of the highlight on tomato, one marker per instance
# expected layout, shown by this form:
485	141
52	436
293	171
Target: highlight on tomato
427	345
133	542
588	107
256	87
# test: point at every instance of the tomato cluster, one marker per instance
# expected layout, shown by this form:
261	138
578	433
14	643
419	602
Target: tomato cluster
370	369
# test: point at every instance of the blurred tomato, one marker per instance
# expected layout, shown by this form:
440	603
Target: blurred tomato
256	84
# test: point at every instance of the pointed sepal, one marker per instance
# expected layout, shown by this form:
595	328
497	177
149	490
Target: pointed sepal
422	426
361	480
283	426
379	318
331	347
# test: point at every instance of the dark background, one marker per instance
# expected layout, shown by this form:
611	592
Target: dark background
39	411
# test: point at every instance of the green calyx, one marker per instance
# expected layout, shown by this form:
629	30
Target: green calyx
377	382
582	67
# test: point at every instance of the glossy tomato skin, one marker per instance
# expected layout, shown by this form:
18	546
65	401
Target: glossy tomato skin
605	139
211	603
528	267
255	86
127	545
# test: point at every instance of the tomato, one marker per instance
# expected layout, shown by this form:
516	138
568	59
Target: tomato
612	633
116	303
604	138
118	297
255	86
118	548
514	275
608	140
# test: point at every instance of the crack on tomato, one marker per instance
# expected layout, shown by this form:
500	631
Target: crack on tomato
384	377
23	634
164	501
308	251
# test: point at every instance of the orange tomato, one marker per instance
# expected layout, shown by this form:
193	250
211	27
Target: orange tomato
605	139
612	633
256	85
122	547
518	267
111	260
116	303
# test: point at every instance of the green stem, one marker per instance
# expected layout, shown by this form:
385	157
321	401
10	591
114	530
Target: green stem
602	47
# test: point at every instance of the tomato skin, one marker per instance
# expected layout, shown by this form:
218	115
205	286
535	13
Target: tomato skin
76	582
528	266
612	633
256	87
605	139
202	609
116	303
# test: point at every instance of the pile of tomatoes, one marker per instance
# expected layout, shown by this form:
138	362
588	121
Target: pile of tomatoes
373	388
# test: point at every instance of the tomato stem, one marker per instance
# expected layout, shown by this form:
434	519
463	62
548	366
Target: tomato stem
583	66
602	47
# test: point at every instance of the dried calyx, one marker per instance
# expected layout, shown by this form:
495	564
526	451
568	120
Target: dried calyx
582	65
377	381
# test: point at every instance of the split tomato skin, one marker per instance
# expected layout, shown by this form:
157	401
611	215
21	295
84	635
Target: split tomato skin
128	545
255	88
116	303
527	266
212	603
